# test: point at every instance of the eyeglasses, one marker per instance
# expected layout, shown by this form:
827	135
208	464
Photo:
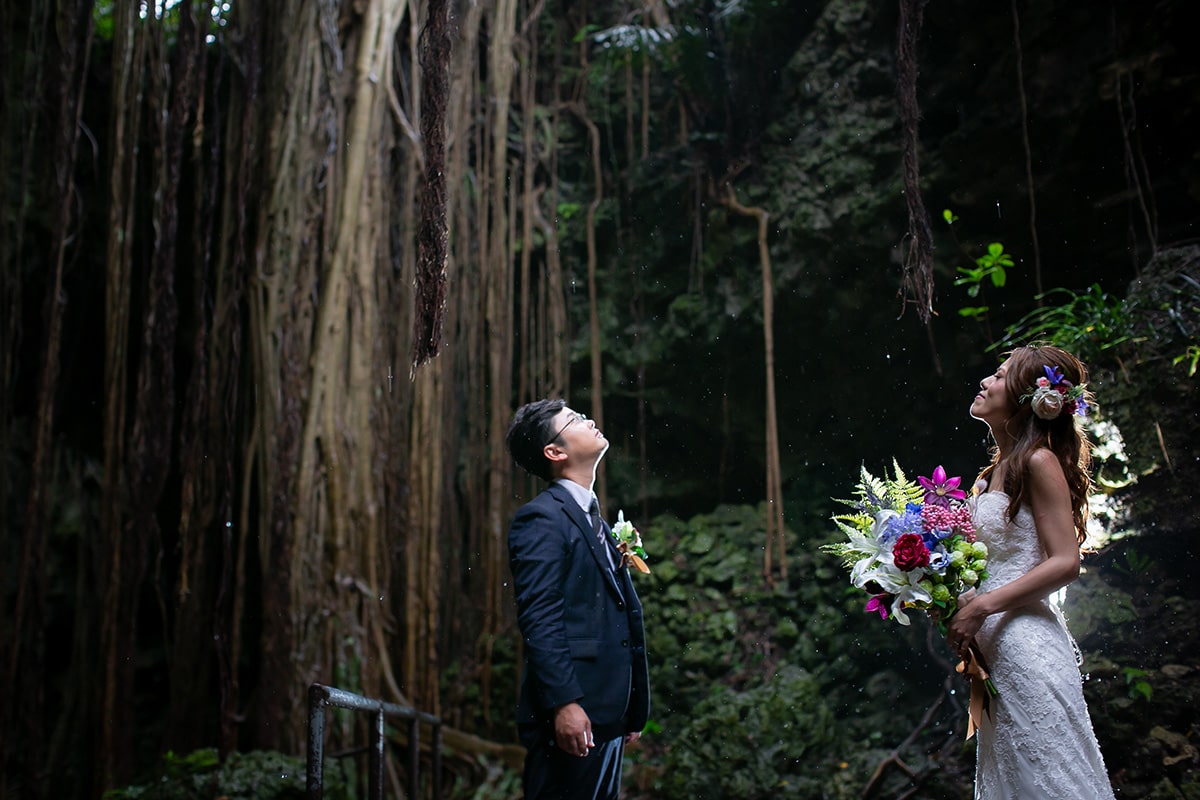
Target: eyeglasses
575	417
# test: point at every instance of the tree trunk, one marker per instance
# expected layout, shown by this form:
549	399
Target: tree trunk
597	393
499	314
24	663
316	324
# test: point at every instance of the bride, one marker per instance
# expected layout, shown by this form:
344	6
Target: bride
1037	741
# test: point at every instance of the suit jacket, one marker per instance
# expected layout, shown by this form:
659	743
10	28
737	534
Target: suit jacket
581	622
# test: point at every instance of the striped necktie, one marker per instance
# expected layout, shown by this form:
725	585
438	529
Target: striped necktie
598	529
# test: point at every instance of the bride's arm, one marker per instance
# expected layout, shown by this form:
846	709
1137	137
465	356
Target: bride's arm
1050	501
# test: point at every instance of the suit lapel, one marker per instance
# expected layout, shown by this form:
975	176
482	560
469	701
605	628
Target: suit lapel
580	520
607	559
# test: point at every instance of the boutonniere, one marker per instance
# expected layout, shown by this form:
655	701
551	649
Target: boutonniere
629	542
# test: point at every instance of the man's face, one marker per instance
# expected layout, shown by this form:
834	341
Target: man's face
578	435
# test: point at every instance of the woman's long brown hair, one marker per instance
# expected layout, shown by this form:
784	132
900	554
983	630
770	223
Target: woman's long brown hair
1062	436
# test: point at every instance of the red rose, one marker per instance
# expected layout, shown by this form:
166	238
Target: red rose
910	552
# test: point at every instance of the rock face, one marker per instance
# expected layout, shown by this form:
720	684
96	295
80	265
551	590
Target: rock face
1152	380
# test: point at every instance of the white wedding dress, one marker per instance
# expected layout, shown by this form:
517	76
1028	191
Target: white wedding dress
1038	741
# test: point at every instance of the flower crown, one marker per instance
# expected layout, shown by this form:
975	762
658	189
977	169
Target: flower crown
1055	395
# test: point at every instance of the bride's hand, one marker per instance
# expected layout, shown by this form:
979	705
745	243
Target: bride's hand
965	623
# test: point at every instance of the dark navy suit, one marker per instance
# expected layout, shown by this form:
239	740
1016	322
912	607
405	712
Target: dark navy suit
581	623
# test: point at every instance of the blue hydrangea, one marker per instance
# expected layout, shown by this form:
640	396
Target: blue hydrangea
908	522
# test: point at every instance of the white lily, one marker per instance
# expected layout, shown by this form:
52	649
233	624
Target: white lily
624	531
872	547
903	586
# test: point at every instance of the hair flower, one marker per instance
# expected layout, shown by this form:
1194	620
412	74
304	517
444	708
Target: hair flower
1047	403
1053	394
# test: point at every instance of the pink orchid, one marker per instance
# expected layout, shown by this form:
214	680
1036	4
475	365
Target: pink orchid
939	489
878	603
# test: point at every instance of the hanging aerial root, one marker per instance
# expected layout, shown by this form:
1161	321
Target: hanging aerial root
432	230
917	287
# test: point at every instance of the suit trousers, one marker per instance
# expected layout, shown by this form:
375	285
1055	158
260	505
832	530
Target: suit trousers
551	774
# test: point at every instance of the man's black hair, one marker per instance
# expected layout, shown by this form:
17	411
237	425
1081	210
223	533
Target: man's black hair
531	430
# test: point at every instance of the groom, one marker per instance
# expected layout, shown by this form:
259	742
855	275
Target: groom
586	690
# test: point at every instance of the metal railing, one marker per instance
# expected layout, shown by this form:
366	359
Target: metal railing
320	696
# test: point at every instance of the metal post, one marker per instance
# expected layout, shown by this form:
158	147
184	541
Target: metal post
314	782
375	760
437	760
414	757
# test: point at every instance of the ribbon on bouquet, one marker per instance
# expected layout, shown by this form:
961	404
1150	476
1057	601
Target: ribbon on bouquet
630	558
975	667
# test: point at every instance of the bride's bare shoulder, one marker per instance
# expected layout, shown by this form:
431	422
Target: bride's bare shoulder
1043	463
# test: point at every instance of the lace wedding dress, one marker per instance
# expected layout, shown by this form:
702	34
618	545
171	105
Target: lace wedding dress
1038	741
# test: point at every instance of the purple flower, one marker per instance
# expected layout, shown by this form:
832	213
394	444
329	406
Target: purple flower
879	603
939	489
1054	374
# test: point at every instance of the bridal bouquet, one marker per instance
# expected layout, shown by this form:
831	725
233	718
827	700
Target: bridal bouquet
910	544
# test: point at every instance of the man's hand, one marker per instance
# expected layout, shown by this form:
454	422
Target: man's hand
630	738
573	730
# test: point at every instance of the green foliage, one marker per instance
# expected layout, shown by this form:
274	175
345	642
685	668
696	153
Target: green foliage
707	613
256	775
584	32
219	16
102	18
1190	356
630	39
777	740
1092	322
883	492
871	494
1139	687
1136	564
1085	323
747	676
991	267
